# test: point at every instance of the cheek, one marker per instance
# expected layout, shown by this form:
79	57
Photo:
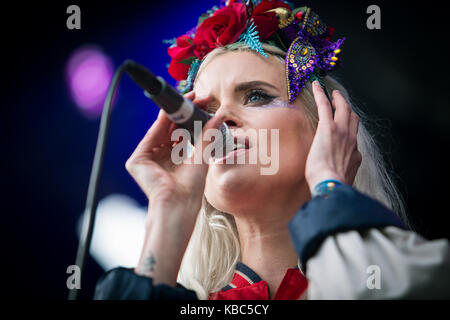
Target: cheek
292	147
295	138
208	187
212	189
293	154
294	133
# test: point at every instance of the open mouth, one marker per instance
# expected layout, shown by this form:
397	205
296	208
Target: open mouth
241	142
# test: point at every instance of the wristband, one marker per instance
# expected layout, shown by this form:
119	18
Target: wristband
325	187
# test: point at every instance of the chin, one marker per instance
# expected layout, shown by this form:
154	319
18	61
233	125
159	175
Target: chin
233	178
231	183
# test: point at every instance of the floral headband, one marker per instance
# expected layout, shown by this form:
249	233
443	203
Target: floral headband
310	53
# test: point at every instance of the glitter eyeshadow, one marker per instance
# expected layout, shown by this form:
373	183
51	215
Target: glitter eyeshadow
276	103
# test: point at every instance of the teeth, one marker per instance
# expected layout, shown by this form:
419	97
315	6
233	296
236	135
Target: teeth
238	146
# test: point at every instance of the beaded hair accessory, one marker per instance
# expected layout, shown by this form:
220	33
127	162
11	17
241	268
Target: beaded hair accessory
306	39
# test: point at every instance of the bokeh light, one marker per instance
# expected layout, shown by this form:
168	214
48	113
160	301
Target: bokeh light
89	72
119	231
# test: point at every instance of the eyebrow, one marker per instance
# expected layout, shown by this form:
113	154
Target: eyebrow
243	86
251	84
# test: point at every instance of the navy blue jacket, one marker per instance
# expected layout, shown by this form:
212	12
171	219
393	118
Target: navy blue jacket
343	210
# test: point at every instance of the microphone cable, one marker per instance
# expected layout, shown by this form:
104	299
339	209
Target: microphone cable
97	166
161	93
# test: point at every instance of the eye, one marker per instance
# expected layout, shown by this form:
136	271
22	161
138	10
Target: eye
256	96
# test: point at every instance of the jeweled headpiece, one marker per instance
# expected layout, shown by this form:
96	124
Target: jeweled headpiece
310	53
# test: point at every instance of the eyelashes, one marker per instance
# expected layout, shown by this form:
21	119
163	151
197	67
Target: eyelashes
261	95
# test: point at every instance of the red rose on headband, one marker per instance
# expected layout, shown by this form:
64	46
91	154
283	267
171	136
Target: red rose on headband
222	28
182	55
267	22
330	33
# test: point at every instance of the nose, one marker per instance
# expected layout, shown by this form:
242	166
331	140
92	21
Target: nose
229	115
230	123
231	119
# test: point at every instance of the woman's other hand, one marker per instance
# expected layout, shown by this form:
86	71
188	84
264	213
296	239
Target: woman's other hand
334	151
164	183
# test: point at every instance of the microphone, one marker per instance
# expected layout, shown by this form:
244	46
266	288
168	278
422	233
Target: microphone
178	109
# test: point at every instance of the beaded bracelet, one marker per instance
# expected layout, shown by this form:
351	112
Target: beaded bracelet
325	187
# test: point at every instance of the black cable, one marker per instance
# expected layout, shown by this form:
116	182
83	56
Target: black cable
97	166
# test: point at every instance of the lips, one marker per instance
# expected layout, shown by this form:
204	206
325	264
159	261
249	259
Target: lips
241	142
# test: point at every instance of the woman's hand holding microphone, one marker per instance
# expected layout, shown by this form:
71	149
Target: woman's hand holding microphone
175	196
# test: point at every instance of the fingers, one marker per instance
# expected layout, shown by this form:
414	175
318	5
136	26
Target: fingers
157	135
354	124
322	102
334	151
161	130
190	95
343	111
203	103
344	117
200	158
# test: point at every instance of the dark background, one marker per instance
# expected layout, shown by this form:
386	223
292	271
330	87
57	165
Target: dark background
397	75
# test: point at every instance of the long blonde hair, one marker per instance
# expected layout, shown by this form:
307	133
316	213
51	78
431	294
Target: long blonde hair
214	248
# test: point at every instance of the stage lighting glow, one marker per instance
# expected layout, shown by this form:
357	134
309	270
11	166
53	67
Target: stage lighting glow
89	72
119	232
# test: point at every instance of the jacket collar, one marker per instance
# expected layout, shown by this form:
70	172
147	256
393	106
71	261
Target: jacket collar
243	276
248	285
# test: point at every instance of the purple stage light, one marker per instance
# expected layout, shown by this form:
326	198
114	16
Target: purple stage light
89	72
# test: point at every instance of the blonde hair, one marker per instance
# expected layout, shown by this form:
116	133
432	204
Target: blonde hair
214	248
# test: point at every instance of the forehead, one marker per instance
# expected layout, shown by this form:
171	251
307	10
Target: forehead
225	70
